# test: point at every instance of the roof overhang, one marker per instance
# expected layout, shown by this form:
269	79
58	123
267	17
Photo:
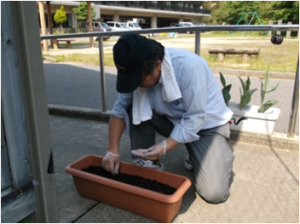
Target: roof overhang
153	11
131	9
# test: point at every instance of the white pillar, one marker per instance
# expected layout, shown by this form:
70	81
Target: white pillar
116	16
270	32
288	33
97	11
279	23
154	21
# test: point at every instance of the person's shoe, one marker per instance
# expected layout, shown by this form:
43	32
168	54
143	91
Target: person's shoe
188	163
157	165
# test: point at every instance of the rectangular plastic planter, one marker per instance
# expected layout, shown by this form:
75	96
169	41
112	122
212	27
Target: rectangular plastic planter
153	205
249	120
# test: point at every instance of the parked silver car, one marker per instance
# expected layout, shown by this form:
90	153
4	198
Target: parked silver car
117	26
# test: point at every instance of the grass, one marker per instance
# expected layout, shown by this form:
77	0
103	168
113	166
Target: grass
284	58
87	59
233	34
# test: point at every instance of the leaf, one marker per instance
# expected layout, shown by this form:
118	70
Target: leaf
252	91
267	105
272	89
226	94
262	92
246	99
228	87
222	79
243	84
248	83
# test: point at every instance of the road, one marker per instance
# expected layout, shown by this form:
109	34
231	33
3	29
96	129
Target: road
79	86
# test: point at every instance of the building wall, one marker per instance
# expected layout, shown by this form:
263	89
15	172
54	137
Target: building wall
151	18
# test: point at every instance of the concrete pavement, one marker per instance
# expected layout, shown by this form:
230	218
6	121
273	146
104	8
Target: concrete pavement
265	186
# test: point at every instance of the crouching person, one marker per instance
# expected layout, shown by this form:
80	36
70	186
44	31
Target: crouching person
174	93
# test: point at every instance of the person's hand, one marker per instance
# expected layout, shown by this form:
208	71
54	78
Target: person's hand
153	153
111	162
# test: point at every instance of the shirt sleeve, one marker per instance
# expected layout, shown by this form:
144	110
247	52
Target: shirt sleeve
192	84
120	106
123	101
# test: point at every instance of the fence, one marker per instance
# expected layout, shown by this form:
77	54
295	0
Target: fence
279	22
197	30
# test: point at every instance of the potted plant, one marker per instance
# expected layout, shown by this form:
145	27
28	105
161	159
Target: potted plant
253	118
157	206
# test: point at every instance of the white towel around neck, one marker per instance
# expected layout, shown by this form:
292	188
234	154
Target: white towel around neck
141	109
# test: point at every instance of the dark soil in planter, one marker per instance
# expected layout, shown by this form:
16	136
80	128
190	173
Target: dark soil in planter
132	180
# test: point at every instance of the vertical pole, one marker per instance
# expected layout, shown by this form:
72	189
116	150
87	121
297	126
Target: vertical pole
32	80
89	8
295	104
49	20
102	73
49	17
43	24
197	42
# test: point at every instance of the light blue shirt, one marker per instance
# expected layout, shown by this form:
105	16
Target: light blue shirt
201	107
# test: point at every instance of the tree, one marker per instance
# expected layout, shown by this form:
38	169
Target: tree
295	12
60	16
288	11
230	11
82	12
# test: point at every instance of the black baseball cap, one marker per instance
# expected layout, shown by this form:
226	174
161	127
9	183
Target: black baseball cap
130	52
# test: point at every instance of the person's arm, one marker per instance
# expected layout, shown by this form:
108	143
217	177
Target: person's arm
154	152
111	161
116	128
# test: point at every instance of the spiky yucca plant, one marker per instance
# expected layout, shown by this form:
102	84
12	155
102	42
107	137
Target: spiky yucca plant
246	93
225	90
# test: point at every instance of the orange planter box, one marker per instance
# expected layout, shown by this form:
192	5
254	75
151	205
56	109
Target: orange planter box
150	204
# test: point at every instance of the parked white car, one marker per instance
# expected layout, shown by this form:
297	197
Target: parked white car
133	25
117	26
99	27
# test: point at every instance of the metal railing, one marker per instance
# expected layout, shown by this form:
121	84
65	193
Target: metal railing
197	30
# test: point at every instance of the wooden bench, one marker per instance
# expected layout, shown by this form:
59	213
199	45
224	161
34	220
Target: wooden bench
245	52
56	43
